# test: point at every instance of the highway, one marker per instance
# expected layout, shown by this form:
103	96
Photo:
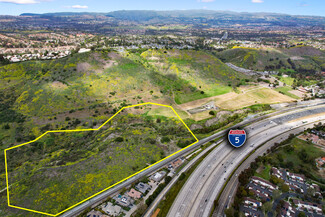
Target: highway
97	199
229	191
198	194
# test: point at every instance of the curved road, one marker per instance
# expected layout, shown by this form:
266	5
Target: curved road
197	195
102	196
231	187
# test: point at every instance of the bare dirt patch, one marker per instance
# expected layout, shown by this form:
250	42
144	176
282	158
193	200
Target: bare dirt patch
297	93
58	85
83	67
246	97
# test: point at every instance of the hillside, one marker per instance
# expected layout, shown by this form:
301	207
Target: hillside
303	59
62	169
83	91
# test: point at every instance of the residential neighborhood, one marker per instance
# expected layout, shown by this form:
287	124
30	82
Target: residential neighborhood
288	202
126	203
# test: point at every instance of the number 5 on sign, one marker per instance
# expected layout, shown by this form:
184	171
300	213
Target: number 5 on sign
237	138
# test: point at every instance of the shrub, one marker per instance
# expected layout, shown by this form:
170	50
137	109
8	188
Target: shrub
119	139
165	139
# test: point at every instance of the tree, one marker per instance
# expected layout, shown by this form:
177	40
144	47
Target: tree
285	188
301	214
119	139
267	207
3	60
276	194
211	113
230	212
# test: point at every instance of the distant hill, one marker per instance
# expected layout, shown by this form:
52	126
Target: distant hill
198	17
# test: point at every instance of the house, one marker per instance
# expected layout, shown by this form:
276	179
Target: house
253	204
321	142
112	210
276	172
308	206
134	194
287	210
320	161
260	194
158	176
94	213
176	163
143	187
123	200
264	183
296	177
314	138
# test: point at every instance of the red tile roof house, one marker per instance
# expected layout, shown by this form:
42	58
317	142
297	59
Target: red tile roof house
176	163
134	194
314	138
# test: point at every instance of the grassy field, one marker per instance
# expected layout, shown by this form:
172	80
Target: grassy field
256	96
265	173
285	90
181	98
287	80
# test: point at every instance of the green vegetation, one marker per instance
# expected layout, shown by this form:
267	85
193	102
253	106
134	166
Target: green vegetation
285	90
265	173
298	156
287	80
84	90
299	59
94	160
198	74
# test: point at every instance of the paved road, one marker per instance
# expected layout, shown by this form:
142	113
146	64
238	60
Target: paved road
154	205
197	195
97	199
229	192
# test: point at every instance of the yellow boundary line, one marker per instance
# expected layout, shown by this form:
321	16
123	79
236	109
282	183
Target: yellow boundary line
79	130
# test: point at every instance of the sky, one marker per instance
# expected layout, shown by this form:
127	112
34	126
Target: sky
294	7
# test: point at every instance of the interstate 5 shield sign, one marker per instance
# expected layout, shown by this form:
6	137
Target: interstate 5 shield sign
237	138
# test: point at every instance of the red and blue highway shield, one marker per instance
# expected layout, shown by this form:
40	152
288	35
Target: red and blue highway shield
237	138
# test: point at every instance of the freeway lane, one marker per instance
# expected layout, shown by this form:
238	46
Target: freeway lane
197	195
230	190
97	199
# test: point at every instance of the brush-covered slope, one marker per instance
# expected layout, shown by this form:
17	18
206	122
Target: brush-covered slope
301	58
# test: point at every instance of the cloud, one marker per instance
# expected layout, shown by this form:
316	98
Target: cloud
21	2
257	1
205	1
79	6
